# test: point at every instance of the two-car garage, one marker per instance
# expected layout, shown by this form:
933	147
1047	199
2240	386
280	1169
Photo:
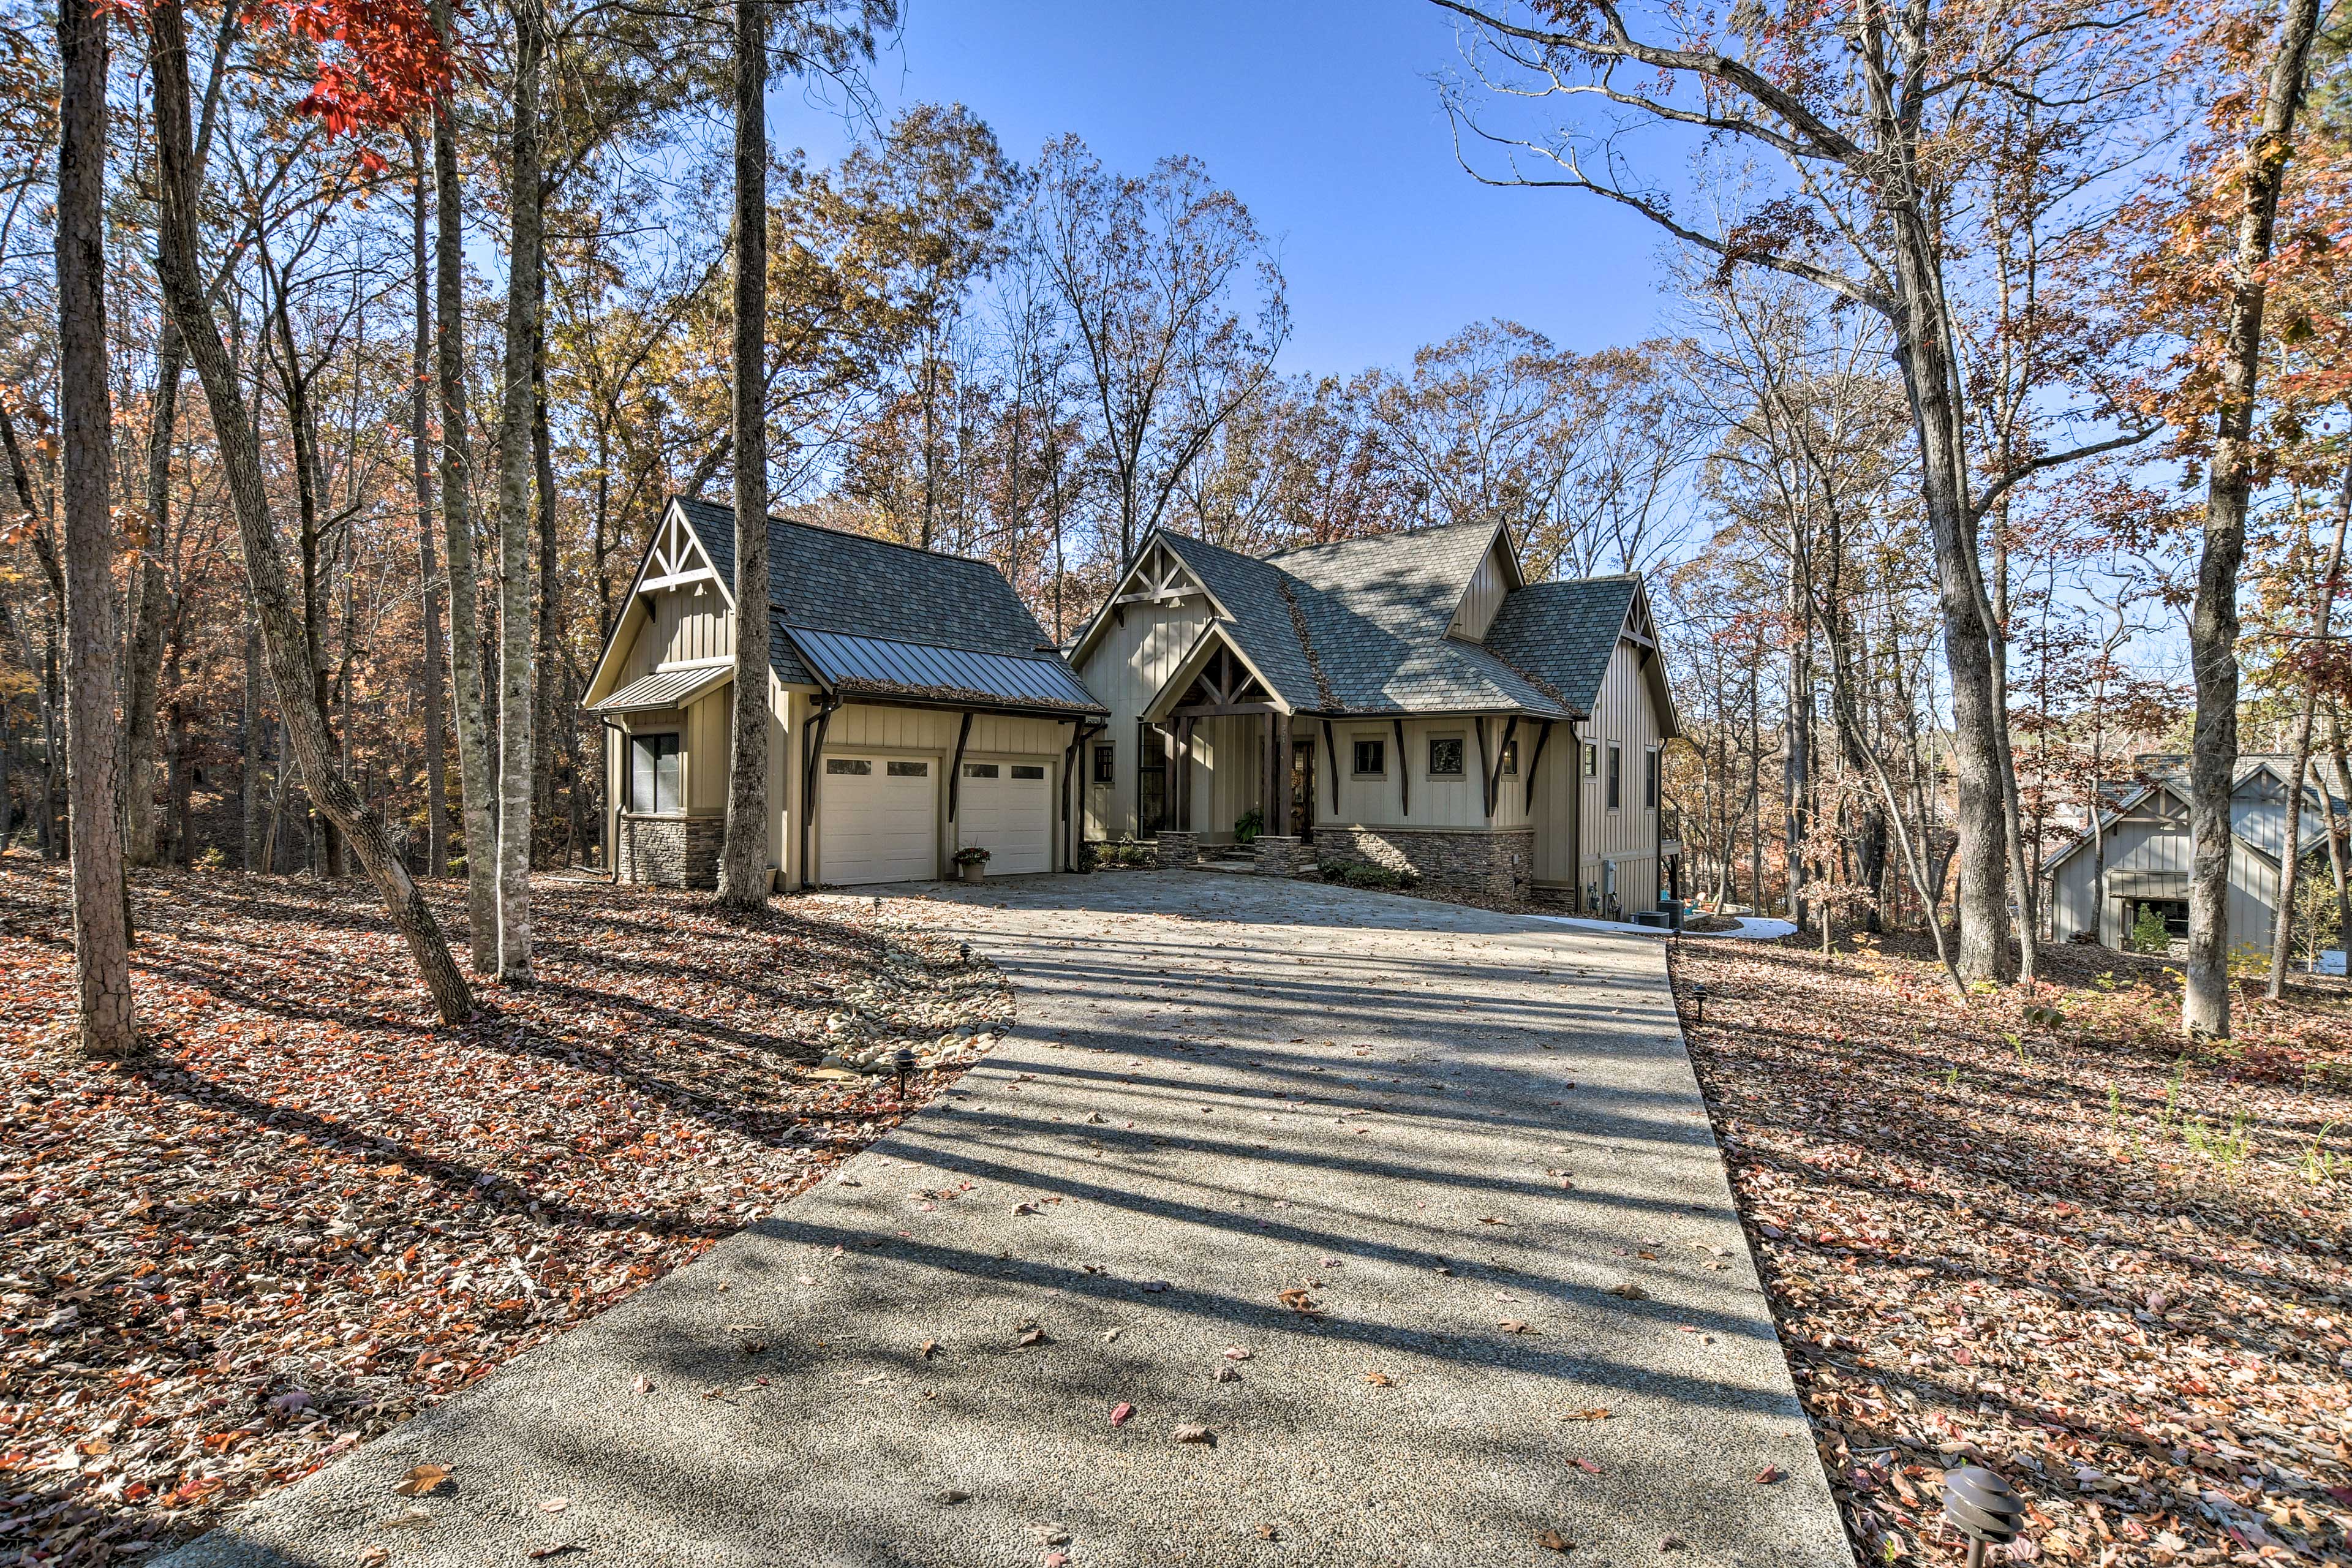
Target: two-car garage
878	816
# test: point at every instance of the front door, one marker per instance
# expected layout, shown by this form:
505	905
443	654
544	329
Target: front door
1302	791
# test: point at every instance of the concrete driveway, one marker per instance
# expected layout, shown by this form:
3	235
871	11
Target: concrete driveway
1469	1145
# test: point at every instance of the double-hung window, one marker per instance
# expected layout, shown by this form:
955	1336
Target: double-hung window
653	772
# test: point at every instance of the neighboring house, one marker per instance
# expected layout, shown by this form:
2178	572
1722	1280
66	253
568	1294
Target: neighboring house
916	706
1408	699
2146	861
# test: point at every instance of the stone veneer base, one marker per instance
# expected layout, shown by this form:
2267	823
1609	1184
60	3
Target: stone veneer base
1177	850
1496	863
671	851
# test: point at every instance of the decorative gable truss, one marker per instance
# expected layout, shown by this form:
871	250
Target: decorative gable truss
1158	578
675	559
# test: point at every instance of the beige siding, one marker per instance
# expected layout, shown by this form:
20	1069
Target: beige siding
2149	841
1484	598
1434	801
1557	785
1124	669
704	746
1619	847
931	732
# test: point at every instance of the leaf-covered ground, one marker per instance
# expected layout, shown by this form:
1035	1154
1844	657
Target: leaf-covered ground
307	1213
2059	1247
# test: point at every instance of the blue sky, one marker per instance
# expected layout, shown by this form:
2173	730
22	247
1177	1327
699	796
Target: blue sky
1321	116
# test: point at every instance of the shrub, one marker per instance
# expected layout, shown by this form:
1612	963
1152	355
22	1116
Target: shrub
1249	825
1364	874
2147	932
971	855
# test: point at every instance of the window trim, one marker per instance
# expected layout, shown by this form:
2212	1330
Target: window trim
1462	744
1591	759
1379	744
1616	776
677	740
1650	778
1105	763
1507	760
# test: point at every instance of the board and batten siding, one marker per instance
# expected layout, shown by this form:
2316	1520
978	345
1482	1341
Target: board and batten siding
1624	714
2147	853
681	628
873	728
1436	802
1483	600
1124	669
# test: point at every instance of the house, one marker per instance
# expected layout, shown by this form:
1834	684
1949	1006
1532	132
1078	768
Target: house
2146	860
917	709
1409	699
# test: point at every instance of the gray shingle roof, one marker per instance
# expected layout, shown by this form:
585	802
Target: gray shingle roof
1563	633
1374	613
822	580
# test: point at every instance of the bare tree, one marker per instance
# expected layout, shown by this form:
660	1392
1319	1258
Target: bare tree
743	880
420	423
1148	268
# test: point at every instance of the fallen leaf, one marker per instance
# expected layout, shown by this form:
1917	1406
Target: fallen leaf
929	1347
422	1481
1380	1380
643	1384
554	1504
1121	1413
1235	1353
1587	1466
1596	1413
1267	1533
374	1557
1551	1541
1031	1337
951	1496
1514	1326
565	1549
1193	1432
1770	1473
1228	1372
1630	1291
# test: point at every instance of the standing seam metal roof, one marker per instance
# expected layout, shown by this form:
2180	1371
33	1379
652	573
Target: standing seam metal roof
890	613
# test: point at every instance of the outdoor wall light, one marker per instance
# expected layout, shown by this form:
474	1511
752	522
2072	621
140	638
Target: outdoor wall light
1982	1507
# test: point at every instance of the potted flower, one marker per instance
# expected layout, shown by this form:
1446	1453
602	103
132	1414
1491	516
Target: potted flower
972	862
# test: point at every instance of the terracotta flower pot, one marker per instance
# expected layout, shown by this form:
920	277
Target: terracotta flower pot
974	869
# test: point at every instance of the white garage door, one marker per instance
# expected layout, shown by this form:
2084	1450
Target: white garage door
878	819
1006	809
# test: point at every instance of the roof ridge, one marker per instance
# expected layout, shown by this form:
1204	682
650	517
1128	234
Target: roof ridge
775	522
1323	688
1373	538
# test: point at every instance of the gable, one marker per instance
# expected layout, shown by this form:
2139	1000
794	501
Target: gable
1482	597
678	610
1160	579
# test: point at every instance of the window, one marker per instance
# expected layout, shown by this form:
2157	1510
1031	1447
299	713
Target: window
851	767
1151	780
1591	759
1371	758
1511	758
980	770
1649	780
1616	778
1019	771
1105	763
1445	757
652	772
908	770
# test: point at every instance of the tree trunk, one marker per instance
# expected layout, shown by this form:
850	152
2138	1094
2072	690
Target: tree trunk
248	789
546	720
1930	383
240	458
149	606
516	644
2331	582
742	870
105	1021
476	806
420	426
2214	623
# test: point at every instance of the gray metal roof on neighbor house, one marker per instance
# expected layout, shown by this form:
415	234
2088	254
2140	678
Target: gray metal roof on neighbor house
665	688
1359	627
880	667
889	614
1564	633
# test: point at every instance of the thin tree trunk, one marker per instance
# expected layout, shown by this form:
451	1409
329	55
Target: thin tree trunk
240	458
149	606
544	722
2214	623
420	423
2331	582
743	881
249	793
477	807
105	1020
516	642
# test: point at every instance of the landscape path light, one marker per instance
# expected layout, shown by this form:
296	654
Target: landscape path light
1982	1507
